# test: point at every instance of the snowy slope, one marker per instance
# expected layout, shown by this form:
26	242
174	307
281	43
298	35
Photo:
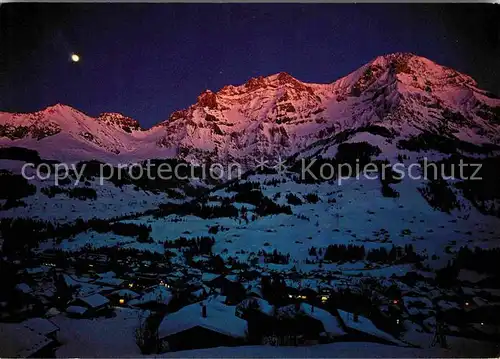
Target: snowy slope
63	133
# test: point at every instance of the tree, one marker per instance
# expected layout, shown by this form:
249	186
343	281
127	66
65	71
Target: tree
146	335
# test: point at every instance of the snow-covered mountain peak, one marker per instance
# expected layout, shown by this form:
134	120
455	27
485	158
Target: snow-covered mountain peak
118	120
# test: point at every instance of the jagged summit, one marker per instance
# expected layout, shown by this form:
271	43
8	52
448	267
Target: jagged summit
126	123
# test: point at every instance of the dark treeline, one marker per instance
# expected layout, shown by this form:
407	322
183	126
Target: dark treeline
347	253
275	257
250	192
14	187
293	199
196	246
480	260
226	209
439	195
81	193
353	154
445	144
21	234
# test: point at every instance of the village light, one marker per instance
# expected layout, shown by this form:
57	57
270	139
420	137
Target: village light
122	301
482	323
289	296
395	301
131	285
324	298
397	321
467	303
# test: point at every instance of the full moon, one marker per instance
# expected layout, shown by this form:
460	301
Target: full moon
75	58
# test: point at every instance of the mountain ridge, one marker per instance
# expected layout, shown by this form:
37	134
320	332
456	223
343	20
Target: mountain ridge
276	115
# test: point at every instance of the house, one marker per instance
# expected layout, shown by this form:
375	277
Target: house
228	286
207	278
331	324
122	296
204	324
199	293
76	311
97	261
259	315
70	282
24	288
292	288
249	274
48	258
145	280
94	305
259	304
324	294
308	293
254	291
109	279
362	328
42	326
307	322
157	297
37	272
18	341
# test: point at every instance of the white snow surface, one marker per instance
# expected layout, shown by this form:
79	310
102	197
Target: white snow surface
220	318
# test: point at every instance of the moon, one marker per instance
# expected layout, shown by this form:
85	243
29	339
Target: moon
75	58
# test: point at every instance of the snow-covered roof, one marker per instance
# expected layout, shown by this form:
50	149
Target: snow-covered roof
207	277
23	287
76	309
309	283
36	270
109	274
17	341
255	290
198	293
409	300
365	325
330	322
447	305
110	281
95	300
40	325
158	294
70	282
470	276
52	312
220	318
479	301
262	305
177	274
290	283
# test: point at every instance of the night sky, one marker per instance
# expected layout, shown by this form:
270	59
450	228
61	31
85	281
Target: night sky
148	60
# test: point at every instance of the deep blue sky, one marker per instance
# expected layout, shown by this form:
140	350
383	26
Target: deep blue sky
148	60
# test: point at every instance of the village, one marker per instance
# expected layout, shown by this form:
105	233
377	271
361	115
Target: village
212	304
